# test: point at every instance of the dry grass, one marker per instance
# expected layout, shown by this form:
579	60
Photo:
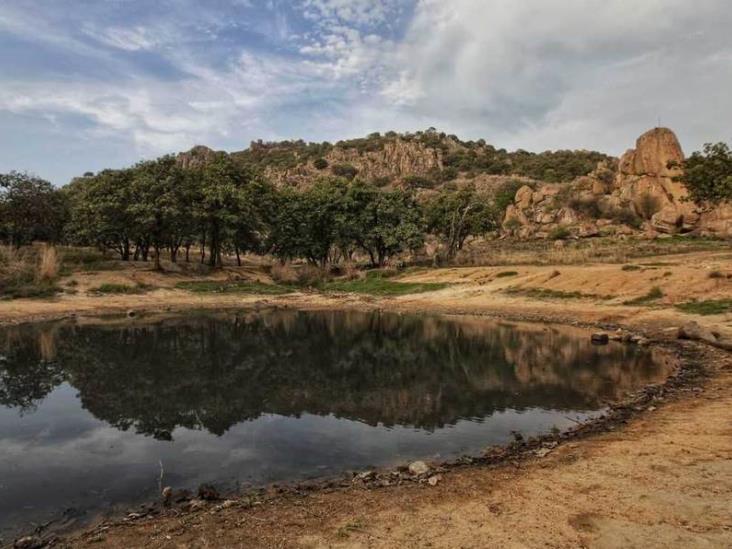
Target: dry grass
48	264
284	273
28	272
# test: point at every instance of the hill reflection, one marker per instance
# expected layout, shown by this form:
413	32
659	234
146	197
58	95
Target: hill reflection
212	372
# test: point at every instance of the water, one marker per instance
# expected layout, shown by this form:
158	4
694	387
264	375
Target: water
91	415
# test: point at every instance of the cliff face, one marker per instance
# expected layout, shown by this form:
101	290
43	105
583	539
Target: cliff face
642	193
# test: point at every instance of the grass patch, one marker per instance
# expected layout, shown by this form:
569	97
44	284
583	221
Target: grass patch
631	268
708	307
653	294
237	287
505	274
120	289
377	285
546	293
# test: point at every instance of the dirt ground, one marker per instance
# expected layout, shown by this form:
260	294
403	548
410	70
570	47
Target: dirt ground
663	480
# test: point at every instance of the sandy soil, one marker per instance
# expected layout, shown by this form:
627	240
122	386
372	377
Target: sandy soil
664	480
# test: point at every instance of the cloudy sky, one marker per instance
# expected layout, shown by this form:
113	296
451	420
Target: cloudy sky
88	84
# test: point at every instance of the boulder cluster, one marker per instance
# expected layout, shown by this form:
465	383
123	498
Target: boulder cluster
641	193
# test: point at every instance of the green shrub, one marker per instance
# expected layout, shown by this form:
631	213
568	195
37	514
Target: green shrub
344	170
320	163
560	233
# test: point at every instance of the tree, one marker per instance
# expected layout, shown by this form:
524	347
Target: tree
455	215
383	223
310	224
164	208
30	209
102	212
708	174
220	204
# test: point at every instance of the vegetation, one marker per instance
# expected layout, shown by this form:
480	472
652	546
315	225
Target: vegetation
243	287
708	174
123	289
547	293
376	284
654	294
708	307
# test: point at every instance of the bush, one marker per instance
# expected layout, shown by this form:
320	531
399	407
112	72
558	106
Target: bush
648	205
588	206
344	170
625	216
320	163
559	233
418	182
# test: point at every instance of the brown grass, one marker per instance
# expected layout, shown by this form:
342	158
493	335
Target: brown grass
48	264
284	273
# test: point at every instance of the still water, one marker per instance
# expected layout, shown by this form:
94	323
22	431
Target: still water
90	415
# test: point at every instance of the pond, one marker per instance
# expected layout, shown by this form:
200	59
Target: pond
92	414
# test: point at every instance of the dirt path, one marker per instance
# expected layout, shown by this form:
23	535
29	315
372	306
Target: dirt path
664	480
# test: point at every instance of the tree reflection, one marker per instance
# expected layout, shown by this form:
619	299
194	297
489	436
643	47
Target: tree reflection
214	372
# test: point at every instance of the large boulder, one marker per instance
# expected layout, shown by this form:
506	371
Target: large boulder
655	150
524	197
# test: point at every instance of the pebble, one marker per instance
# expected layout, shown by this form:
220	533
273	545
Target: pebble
417	468
434	480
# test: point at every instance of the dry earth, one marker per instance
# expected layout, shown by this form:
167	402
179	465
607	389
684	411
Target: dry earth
664	480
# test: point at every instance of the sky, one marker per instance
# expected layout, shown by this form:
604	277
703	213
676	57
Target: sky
93	84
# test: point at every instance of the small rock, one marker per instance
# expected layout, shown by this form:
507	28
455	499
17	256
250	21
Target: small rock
195	505
417	468
207	492
131	314
434	480
542	452
29	542
651	408
600	338
366	475
167	494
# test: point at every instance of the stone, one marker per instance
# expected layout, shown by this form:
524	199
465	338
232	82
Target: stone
167	494
694	331
131	314
654	151
434	480
418	468
28	542
588	230
566	216
600	338
208	492
524	197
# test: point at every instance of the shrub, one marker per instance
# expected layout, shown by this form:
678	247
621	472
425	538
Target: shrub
311	276
418	182
648	205
588	206
344	170
320	163
559	233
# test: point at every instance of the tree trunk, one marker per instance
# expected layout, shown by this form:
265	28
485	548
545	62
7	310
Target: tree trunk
157	258
238	257
188	253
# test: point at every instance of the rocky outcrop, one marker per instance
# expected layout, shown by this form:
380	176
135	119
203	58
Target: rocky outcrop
643	192
197	157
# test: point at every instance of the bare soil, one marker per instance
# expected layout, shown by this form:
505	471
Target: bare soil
664	479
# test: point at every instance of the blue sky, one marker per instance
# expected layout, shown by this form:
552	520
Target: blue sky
89	84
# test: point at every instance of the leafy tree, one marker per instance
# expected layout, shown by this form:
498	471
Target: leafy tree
455	215
30	209
708	174
384	223
101	212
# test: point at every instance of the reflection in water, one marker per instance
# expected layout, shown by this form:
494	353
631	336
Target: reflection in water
279	395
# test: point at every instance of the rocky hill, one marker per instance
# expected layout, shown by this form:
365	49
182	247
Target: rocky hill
422	160
562	193
639	193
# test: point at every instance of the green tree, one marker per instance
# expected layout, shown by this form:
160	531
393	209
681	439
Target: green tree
708	174
30	209
383	223
455	215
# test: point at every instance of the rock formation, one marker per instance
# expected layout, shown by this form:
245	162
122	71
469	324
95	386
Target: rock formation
642	193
